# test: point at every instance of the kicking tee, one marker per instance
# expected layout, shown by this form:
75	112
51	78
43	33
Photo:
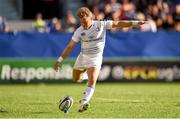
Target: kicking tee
93	39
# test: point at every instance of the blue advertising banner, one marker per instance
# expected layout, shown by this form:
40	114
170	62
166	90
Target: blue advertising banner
163	44
147	44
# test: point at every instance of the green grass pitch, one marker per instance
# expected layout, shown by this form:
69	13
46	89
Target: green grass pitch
111	100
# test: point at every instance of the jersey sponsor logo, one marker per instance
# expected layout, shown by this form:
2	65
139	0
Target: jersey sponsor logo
96	39
91	37
93	50
83	34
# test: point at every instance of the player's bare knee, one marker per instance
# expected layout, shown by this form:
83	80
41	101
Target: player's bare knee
75	78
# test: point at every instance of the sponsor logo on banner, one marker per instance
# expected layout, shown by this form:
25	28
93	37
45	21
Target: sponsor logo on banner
144	71
30	73
111	71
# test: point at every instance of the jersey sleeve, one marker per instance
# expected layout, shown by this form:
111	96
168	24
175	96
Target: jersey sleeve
108	24
75	36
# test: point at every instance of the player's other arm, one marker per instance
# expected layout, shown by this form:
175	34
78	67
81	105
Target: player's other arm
64	54
121	24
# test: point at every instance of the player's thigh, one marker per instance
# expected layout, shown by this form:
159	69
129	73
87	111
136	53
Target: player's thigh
77	74
93	73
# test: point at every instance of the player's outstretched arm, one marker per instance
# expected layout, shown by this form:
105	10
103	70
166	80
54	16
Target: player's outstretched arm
121	24
64	54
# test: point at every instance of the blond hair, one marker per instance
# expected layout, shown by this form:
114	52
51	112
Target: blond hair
84	12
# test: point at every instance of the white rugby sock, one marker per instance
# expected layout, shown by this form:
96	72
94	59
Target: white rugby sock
88	94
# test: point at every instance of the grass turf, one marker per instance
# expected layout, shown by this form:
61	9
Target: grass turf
111	100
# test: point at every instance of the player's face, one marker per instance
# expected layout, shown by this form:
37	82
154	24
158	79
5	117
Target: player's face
86	22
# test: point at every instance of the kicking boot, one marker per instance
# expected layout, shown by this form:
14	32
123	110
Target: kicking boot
83	107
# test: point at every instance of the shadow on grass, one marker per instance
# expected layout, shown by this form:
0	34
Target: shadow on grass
177	104
3	111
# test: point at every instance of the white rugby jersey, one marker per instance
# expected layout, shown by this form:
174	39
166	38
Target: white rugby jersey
93	39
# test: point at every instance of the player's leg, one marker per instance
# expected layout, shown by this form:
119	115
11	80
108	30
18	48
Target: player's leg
78	74
93	73
78	70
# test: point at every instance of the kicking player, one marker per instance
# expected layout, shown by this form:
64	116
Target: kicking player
91	34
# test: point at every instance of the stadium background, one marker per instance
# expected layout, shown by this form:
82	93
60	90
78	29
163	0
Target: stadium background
34	33
148	53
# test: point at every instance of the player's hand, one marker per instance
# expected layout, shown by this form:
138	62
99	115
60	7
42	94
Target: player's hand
56	65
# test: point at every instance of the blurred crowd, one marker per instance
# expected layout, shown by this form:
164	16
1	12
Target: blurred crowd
68	24
160	14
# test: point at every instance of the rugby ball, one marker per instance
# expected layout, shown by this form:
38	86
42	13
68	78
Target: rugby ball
65	103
